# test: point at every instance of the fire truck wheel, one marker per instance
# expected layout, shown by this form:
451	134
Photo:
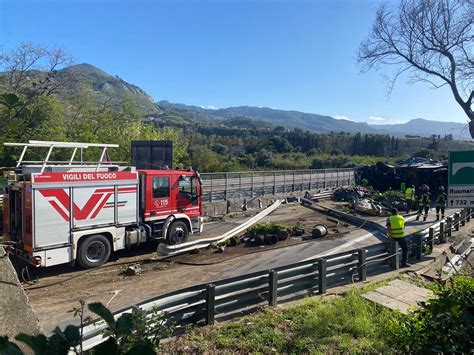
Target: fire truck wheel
94	251
177	233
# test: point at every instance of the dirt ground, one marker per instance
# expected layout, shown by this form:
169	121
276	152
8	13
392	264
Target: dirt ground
110	286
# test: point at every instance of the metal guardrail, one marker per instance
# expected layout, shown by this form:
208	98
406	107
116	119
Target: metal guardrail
224	299
248	184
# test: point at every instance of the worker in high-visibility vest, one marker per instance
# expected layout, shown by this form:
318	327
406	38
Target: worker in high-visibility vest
441	202
396	231
410	197
424	202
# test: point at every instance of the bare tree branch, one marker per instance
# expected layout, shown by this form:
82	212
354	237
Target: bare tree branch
32	70
432	40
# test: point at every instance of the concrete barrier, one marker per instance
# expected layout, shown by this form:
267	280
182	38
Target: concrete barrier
16	314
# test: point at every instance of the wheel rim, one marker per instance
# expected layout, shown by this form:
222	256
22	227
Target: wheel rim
178	234
95	252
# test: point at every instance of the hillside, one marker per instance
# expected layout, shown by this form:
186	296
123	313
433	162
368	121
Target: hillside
102	87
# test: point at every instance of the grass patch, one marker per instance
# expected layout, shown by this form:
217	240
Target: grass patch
348	324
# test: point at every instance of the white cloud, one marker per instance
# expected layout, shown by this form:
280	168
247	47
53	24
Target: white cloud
376	118
209	107
340	117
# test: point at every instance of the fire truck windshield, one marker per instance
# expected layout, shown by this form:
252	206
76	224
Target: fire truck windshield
187	186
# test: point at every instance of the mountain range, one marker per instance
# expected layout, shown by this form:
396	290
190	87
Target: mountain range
317	123
103	87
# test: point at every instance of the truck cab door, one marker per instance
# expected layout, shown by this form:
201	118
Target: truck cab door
187	198
160	195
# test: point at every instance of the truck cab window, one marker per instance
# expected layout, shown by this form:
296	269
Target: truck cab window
187	186
161	187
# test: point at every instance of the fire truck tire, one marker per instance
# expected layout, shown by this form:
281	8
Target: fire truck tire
94	251
177	233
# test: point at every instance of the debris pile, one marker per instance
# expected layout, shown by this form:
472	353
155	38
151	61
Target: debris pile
367	206
391	199
349	194
366	200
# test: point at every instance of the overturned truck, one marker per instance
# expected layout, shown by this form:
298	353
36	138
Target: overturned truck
414	171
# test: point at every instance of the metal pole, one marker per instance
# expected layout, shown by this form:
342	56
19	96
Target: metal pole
273	288
212	187
251	188
449	226
21	156
226	185
47	158
210	303
431	237
419	246
73	155
361	265
240	181
322	281
442	233
274	183
395	260
293	188
310	178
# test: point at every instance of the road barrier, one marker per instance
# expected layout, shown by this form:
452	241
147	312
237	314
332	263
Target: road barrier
228	298
248	184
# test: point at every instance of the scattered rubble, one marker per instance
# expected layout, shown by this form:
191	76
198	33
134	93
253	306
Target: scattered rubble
368	206
350	193
132	270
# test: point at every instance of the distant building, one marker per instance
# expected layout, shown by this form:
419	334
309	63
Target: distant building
238	151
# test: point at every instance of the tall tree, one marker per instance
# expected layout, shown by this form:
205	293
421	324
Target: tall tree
32	71
432	40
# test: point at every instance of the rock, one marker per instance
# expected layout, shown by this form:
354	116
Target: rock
133	270
367	206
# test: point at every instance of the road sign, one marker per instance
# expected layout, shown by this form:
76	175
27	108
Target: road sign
461	179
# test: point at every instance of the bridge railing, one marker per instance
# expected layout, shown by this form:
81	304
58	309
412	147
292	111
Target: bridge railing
248	184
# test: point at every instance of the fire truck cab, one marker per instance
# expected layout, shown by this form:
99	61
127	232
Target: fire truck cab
58	212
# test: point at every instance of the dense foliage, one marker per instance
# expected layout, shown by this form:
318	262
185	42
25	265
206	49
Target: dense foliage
444	324
136	333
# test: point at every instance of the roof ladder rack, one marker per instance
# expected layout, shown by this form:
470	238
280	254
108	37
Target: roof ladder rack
46	162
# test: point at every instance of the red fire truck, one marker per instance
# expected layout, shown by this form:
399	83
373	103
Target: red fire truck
58	212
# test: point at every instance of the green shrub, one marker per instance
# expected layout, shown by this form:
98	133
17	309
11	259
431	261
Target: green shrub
444	324
265	228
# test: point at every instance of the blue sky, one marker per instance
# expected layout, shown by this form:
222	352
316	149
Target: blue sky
298	55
